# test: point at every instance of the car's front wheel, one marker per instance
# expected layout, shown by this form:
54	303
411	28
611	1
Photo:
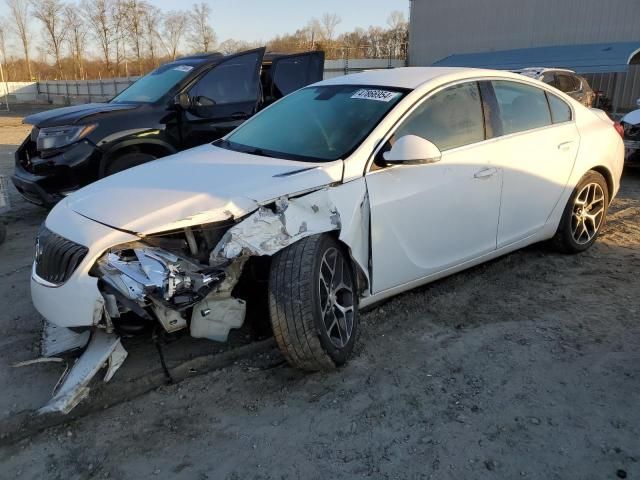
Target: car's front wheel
313	303
584	214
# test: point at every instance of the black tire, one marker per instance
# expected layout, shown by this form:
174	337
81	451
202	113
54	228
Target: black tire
126	161
295	296
565	238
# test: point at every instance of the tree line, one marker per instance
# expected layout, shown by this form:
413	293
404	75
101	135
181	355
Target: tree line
114	38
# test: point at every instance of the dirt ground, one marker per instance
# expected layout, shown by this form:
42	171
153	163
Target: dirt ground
526	367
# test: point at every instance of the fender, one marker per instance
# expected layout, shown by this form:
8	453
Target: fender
157	144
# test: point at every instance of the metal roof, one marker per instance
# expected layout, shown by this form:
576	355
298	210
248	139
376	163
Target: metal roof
591	58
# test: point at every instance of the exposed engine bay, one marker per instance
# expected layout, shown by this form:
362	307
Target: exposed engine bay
173	278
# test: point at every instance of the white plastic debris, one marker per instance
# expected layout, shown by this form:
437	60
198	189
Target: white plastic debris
75	386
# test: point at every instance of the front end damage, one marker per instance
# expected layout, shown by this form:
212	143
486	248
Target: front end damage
187	279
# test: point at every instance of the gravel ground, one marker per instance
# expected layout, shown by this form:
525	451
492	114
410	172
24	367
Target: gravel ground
525	367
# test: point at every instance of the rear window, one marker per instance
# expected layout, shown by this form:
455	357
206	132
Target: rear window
560	111
522	107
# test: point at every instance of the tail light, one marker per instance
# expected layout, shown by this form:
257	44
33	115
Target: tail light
619	128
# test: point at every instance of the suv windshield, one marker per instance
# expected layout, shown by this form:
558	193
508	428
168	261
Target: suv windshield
321	123
154	85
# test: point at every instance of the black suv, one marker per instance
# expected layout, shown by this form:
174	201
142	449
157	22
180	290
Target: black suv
185	103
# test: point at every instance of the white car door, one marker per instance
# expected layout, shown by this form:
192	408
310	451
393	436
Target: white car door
536	156
427	218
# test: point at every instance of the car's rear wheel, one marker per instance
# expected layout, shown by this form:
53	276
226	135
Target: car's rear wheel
126	161
313	303
584	214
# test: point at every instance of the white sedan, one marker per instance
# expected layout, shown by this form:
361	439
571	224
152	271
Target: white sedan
340	195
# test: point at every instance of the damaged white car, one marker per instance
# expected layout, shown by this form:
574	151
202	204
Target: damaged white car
340	195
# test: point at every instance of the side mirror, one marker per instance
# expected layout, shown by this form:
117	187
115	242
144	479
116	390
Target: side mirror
412	150
201	101
638	102
183	101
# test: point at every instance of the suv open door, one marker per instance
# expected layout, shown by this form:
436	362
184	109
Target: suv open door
289	73
222	98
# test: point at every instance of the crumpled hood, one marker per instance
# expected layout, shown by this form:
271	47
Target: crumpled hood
73	114
201	185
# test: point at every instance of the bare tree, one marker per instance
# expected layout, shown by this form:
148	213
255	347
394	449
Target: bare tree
230	46
312	32
396	20
175	25
328	23
134	25
152	19
76	37
201	35
118	20
3	42
50	13
97	12
20	11
397	32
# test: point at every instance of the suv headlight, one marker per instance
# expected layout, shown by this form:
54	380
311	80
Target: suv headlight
57	137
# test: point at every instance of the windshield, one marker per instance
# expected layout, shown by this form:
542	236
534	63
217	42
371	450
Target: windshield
321	123
153	86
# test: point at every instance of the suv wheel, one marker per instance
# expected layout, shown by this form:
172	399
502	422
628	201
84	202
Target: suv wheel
313	303
128	160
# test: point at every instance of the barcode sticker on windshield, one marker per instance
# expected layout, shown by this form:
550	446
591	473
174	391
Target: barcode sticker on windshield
378	95
183	68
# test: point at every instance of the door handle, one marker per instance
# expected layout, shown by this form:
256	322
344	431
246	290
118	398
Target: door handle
239	116
485	173
564	146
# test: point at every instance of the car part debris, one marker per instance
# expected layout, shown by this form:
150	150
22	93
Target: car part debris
38	360
102	347
57	339
215	317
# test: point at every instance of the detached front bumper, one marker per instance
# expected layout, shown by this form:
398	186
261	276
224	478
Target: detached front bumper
46	181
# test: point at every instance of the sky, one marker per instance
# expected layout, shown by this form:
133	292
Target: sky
255	20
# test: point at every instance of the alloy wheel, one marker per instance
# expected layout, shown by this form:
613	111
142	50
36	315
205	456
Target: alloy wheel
588	213
336	297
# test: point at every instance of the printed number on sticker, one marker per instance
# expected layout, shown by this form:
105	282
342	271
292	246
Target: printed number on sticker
378	95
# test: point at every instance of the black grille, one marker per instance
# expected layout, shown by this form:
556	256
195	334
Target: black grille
56	257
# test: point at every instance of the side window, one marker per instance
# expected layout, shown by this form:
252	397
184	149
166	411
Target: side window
233	81
451	118
522	107
560	111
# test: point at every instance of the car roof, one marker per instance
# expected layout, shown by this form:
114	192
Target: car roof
414	77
